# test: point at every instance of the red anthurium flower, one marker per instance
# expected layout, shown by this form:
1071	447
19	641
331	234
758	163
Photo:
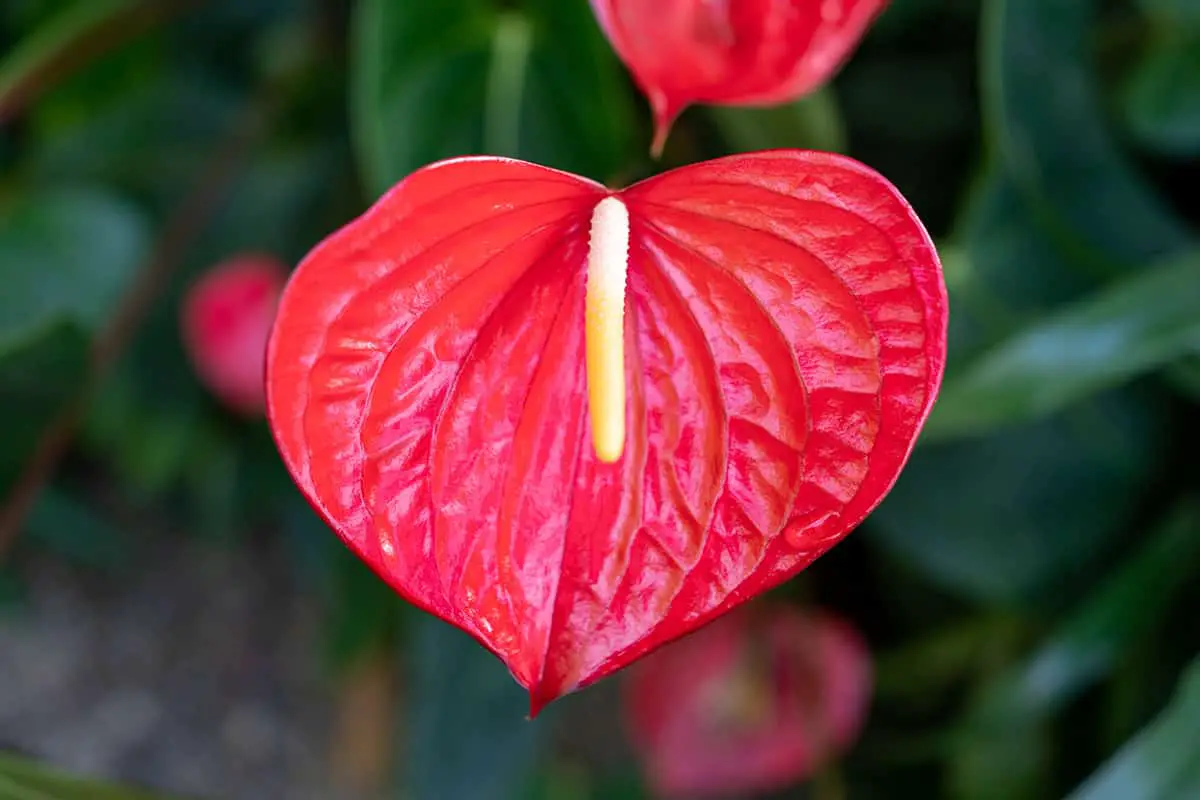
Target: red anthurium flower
227	318
751	703
738	52
578	423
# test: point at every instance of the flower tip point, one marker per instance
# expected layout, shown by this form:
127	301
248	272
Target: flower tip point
537	704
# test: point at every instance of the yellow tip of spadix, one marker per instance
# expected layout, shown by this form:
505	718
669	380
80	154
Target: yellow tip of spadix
608	257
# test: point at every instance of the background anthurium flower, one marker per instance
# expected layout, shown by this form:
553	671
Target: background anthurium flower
739	52
226	320
758	700
432	388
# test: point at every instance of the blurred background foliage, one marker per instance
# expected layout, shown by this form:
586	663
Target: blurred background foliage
1028	588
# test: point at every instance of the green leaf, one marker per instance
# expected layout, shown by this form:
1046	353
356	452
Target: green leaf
21	779
65	258
150	419
578	113
1085	648
418	79
1010	518
1160	762
68	255
1047	124
814	122
1008	273
1132	327
1017	704
469	734
436	80
1024	512
511	43
1160	102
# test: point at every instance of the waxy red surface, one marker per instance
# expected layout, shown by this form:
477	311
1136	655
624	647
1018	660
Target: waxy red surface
785	335
738	52
758	700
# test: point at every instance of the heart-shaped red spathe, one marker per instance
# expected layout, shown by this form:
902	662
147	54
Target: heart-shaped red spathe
785	329
736	52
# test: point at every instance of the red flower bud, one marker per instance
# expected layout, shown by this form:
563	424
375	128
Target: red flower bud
227	318
735	52
751	703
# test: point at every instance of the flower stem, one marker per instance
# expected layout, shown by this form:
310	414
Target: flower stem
511	44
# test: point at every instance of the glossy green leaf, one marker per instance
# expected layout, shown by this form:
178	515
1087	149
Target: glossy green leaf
65	260
1111	621
1129	328
1007	517
1160	102
150	419
413	61
1018	703
21	779
1011	517
66	254
1159	763
1047	124
813	122
1007	274
578	110
469	736
436	80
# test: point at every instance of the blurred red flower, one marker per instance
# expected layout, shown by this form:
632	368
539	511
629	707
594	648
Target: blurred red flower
227	317
757	700
736	52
